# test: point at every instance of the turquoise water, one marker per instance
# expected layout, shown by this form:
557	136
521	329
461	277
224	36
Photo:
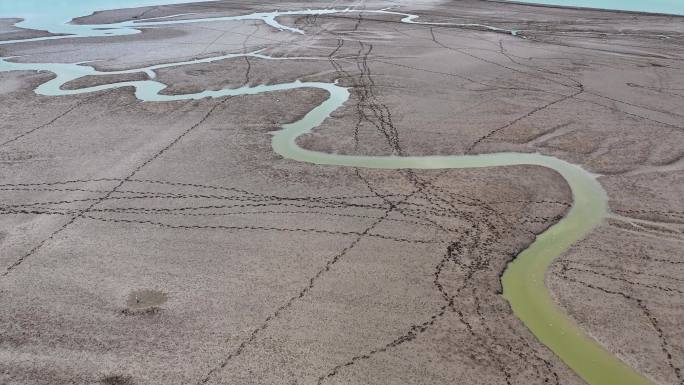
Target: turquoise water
54	15
674	7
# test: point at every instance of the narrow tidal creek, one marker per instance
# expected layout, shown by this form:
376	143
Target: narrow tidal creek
523	280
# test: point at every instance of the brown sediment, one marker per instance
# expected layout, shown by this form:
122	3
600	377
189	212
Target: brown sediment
92	81
287	272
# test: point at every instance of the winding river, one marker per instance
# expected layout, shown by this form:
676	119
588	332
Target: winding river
523	280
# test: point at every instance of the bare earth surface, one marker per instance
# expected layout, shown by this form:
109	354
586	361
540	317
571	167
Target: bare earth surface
165	243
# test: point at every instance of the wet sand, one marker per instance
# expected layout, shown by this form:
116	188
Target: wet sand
275	271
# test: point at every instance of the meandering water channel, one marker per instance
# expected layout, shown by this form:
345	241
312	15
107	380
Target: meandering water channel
523	281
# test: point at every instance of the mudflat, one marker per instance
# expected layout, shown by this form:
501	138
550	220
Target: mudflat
158	238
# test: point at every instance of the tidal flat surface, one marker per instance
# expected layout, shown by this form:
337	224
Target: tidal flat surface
195	196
